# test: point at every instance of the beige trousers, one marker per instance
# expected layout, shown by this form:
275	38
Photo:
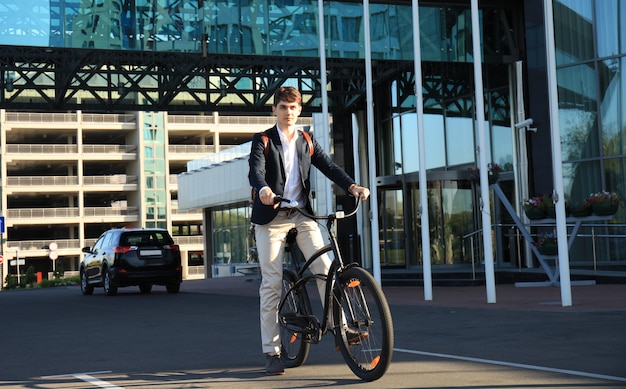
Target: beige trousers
270	243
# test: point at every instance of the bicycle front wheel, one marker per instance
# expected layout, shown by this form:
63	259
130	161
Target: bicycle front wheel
294	347
365	337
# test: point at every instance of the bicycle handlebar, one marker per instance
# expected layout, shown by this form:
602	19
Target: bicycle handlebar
336	215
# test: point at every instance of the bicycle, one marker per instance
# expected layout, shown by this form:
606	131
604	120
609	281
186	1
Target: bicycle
362	322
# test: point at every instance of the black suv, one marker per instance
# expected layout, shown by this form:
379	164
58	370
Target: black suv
131	256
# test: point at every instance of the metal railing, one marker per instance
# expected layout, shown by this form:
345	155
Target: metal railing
110	212
190	119
473	245
21	117
42	149
116	179
55	213
29	245
42	181
63	244
70	149
41	117
191	149
185	240
109	149
108	118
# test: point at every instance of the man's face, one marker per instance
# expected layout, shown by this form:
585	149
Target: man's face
287	113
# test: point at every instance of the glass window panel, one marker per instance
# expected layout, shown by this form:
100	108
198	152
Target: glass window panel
573	32
434	135
502	150
580	179
615	176
150	213
397	145
410	146
458	221
622	109
607	24
160	182
460	140
610	108
578	112
621	11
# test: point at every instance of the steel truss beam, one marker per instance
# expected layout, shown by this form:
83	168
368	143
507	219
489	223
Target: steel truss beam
97	80
71	79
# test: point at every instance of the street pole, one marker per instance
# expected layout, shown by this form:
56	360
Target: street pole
17	263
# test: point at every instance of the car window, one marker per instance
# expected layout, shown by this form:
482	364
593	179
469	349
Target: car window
99	243
137	238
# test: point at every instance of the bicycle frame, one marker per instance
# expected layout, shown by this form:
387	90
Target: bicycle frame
362	323
336	266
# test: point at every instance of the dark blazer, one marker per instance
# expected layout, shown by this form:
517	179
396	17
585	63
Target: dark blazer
269	171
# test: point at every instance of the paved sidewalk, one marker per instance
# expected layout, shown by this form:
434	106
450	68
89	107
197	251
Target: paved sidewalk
605	297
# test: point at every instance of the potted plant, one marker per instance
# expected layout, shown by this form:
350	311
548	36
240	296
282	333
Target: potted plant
581	208
535	207
604	203
493	175
546	243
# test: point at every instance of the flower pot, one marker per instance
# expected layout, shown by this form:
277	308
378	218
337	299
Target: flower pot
535	213
581	211
548	249
604	209
493	177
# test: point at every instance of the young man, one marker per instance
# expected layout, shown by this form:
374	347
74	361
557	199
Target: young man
280	163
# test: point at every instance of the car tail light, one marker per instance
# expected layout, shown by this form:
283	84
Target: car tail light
123	249
173	247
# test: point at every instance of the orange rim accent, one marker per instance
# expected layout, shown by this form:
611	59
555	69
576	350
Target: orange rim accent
375	361
354	283
294	337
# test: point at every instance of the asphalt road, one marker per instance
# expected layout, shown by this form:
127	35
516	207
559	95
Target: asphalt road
57	338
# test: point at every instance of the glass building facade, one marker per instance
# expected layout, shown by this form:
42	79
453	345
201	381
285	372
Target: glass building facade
591	51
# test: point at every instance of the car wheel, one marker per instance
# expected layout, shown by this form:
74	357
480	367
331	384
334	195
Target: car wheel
145	288
173	287
109	289
84	284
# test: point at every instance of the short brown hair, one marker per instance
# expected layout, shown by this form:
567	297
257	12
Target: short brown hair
288	94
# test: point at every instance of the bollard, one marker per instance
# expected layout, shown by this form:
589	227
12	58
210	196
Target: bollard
39	277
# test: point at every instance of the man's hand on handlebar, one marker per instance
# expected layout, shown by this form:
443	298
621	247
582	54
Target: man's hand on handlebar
268	197
359	191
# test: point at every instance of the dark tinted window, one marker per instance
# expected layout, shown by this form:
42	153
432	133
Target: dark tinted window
136	238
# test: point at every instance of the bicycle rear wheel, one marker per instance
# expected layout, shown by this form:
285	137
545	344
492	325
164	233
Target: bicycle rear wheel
294	347
366	336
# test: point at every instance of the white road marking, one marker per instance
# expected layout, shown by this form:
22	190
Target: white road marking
87	377
96	381
511	364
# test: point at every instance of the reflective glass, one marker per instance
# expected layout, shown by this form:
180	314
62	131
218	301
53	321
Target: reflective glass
397	146
457	207
580	179
502	150
611	107
573	32
578	112
410	146
434	135
607	27
459	140
257	27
